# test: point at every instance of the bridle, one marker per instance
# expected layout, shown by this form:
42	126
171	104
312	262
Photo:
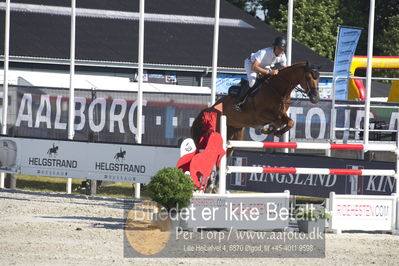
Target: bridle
315	75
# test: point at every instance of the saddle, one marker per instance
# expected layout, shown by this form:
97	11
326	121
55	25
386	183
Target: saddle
240	91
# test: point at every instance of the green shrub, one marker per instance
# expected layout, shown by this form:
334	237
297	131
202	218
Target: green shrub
313	213
171	188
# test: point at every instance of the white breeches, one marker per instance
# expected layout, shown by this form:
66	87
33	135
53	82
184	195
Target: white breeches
251	75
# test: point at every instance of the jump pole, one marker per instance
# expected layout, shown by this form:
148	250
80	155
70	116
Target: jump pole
311	146
310	171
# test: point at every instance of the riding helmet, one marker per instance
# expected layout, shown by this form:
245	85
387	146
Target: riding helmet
280	42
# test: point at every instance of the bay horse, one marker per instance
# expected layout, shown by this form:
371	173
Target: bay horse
266	110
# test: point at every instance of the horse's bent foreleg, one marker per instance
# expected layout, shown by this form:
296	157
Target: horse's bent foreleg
288	125
268	129
278	127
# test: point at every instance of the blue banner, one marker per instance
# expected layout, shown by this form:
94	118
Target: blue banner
347	40
225	81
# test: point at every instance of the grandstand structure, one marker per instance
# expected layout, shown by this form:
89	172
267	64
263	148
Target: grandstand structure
177	45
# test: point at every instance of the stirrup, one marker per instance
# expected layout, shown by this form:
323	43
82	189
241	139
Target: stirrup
238	107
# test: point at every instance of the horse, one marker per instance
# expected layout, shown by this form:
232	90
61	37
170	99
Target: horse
266	110
53	150
120	155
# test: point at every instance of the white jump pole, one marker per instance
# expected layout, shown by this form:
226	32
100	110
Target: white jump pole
310	171
311	146
71	111
215	51
140	87
286	136
223	163
5	79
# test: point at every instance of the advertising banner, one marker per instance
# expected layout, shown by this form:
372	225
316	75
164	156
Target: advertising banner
100	161
104	116
110	116
157	78
225	81
346	46
362	212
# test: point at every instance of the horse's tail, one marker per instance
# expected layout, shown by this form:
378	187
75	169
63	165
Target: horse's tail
196	128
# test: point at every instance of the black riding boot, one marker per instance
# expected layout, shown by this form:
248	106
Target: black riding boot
247	90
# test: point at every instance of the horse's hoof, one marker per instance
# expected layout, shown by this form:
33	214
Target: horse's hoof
258	131
271	127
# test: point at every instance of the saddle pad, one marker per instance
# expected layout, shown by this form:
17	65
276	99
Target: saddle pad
234	91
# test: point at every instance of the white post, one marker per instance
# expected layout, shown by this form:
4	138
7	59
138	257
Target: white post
140	87
215	51
5	79
397	166
222	166
71	111
6	63
333	116
289	31
2	180
330	208
370	40
396	231
286	136
333	95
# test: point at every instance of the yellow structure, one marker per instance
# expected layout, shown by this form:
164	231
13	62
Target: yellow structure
394	92
356	89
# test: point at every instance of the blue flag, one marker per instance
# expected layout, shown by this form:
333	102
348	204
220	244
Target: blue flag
347	40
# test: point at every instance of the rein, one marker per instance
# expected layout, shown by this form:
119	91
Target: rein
300	89
290	85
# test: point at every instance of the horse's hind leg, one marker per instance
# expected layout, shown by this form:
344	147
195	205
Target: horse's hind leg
234	134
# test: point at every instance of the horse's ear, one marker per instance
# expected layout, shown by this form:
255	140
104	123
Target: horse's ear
315	67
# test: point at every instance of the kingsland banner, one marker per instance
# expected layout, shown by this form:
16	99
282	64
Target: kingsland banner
76	159
110	116
308	185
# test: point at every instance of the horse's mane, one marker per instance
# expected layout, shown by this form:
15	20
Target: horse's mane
284	71
299	64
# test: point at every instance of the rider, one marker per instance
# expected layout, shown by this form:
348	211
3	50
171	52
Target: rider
262	62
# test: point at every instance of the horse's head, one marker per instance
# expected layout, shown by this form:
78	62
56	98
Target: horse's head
310	82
